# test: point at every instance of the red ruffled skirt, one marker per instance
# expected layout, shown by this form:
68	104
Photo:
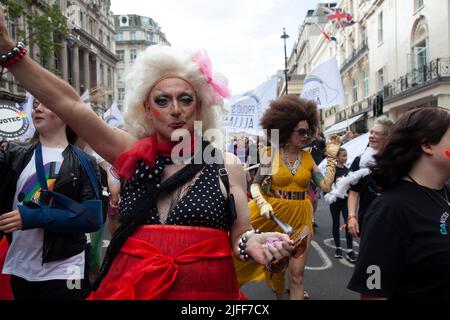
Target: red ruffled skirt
172	263
5	285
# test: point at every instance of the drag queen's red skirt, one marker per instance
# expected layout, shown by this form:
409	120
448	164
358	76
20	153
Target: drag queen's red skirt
5	286
172	263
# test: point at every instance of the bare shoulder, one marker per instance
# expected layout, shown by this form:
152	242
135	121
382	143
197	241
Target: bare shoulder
231	160
233	164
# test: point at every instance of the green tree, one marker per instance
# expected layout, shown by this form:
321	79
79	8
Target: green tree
44	23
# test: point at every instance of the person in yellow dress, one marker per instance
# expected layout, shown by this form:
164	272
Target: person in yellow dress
281	184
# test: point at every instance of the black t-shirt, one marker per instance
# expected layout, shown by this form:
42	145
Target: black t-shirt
407	239
367	189
340	172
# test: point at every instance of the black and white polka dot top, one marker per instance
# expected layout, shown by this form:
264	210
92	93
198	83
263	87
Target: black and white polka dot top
203	204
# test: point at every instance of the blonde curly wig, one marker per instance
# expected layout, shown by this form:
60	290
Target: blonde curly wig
158	62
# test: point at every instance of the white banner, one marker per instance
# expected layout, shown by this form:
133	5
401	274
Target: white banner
27	108
324	85
113	116
246	109
354	147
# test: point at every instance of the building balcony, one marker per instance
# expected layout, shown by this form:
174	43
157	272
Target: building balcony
357	108
434	72
355	57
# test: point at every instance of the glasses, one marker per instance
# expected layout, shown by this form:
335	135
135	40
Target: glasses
280	265
303	132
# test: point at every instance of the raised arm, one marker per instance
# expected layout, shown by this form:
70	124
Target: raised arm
63	100
256	189
326	182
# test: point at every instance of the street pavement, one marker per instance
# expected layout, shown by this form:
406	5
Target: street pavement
326	277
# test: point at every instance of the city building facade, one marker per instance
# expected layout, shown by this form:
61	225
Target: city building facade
87	56
134	34
394	58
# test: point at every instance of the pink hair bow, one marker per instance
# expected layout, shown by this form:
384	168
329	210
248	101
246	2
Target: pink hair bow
201	58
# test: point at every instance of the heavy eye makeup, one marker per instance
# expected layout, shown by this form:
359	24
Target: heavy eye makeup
186	99
162	101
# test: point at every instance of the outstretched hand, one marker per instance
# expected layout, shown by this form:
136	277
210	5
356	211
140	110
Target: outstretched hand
265	247
333	146
6	43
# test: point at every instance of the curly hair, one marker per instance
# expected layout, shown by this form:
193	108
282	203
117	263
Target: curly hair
286	112
156	63
404	144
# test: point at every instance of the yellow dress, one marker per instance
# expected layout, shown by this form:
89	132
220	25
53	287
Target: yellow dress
297	213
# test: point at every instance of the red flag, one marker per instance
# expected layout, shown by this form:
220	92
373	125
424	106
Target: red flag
338	16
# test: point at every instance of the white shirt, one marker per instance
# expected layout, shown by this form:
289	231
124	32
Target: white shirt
24	258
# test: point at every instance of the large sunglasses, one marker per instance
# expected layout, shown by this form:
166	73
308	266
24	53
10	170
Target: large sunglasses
303	132
280	265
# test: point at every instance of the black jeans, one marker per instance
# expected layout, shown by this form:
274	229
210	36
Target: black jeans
336	208
44	290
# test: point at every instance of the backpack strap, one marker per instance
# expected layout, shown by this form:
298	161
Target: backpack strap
89	170
67	202
223	175
223	172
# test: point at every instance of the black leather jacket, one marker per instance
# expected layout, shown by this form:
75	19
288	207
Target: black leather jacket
72	181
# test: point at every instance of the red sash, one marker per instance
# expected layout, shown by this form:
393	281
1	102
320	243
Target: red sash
5	286
171	263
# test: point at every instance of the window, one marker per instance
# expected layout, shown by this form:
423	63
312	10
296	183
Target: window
380	77
355	90
13	30
365	37
420	55
148	37
418	4
380	28
133	55
102	69
133	35
109	78
119	36
366	83
350	7
91	26
121	94
81	19
120	75
352	45
100	36
120	54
